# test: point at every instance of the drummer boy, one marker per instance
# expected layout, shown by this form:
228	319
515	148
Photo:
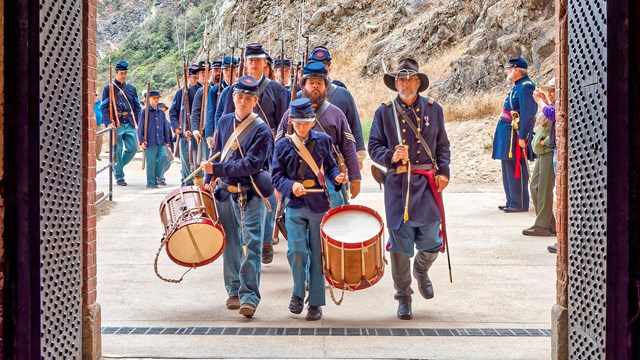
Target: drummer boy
304	185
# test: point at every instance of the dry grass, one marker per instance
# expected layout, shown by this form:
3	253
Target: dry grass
472	107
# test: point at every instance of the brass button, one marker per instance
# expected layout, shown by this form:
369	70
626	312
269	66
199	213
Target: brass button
418	151
418	141
404	130
403	121
417	110
417	161
404	141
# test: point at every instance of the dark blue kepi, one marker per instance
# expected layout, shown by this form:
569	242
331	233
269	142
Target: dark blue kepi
246	85
302	111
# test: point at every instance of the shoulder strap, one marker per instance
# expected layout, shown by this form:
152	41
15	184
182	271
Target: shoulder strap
419	137
239	133
332	88
306	156
321	110
304	166
263	86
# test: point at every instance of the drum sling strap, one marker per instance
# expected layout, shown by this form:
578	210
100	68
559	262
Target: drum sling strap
239	134
306	156
430	177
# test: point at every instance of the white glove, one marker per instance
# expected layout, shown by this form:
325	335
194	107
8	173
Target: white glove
210	142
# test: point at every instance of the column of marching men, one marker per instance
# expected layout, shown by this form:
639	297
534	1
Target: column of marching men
280	145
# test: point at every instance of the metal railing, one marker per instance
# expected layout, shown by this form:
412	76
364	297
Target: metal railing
109	194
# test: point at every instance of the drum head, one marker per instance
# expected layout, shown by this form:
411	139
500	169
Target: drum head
196	243
352	224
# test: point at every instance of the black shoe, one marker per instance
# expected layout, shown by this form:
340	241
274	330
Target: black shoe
502	207
267	254
162	183
121	182
404	308
536	231
552	248
154	186
514	210
314	313
424	284
296	304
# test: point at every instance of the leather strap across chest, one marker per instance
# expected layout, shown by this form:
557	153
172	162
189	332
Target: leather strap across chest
419	137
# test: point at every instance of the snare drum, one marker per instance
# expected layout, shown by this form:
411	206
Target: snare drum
352	247
194	237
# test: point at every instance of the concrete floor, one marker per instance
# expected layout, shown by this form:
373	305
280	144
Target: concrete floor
501	279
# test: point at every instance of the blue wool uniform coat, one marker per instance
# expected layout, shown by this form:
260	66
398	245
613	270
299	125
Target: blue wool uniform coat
344	101
126	101
383	140
286	163
210	124
257	148
159	130
274	100
520	99
196	110
335	124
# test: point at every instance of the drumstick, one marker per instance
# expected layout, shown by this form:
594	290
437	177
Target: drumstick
314	190
215	156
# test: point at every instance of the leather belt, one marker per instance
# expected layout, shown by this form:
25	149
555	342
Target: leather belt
413	167
233	188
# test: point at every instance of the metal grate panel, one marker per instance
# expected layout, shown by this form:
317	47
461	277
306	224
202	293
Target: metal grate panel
587	176
60	178
270	331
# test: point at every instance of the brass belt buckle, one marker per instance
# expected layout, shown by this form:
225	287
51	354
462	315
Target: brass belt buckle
232	189
401	169
308	183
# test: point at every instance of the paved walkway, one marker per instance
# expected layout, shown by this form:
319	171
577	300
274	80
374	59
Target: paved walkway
498	306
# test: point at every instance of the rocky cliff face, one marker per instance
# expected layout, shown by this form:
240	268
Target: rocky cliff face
461	44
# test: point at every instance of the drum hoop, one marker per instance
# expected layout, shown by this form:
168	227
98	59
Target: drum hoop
356	286
182	189
215	224
357	245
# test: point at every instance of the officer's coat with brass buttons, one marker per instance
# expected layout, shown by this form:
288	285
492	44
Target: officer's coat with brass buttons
428	117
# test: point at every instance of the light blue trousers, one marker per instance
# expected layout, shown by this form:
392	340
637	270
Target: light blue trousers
126	148
305	252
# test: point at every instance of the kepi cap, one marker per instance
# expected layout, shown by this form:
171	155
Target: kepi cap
246	85
518	62
302	111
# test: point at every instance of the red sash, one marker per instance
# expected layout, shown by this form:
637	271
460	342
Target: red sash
436	195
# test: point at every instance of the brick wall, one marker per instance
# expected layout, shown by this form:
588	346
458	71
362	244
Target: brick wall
562	51
91	343
1	172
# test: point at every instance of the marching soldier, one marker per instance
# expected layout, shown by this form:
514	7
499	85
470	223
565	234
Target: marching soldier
301	163
213	96
158	135
177	114
246	145
216	71
511	143
321	53
339	96
286	80
329	120
273	102
408	136
127	106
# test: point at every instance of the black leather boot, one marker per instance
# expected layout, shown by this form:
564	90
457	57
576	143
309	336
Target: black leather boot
404	307
421	265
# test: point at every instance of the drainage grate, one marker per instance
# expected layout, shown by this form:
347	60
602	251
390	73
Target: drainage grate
325	331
